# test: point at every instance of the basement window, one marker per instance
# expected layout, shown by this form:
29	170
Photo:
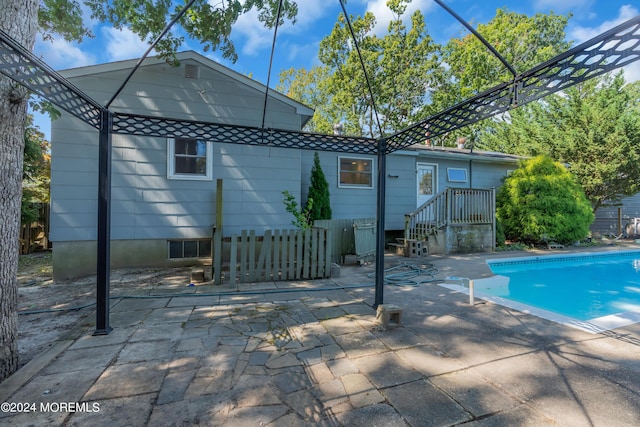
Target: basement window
180	249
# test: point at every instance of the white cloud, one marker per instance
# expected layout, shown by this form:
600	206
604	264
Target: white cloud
582	34
59	54
122	44
257	37
384	15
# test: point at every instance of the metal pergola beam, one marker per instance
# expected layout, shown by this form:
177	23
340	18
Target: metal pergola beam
24	67
128	124
611	50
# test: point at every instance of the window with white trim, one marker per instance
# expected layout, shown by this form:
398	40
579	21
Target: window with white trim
456	175
189	159
355	172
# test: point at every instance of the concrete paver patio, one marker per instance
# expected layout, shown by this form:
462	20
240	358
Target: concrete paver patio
313	354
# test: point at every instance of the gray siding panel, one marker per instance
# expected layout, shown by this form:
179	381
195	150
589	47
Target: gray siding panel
148	205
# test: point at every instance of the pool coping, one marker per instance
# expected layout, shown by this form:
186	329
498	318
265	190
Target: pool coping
595	325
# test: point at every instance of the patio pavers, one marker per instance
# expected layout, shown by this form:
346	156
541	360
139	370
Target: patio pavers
321	359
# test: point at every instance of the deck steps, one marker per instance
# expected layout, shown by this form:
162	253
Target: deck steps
413	248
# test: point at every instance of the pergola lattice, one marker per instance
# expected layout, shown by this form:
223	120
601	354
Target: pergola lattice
606	52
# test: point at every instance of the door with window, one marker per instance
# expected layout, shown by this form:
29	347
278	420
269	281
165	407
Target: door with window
426	182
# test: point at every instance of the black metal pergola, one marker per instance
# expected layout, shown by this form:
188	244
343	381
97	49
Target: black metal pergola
611	50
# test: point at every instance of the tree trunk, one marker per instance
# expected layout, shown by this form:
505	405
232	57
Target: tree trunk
19	19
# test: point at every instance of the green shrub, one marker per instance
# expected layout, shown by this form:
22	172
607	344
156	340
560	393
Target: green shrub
320	208
301	216
541	201
500	238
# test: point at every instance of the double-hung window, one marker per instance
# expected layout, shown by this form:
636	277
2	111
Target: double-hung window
189	159
355	172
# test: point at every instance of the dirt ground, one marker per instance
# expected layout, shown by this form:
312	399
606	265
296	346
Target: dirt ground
50	310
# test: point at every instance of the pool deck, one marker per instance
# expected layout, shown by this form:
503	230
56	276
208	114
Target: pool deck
312	353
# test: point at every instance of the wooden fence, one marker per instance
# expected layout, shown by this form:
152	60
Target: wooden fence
35	236
348	237
277	255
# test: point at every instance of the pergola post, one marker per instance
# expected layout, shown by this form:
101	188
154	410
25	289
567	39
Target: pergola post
104	224
382	183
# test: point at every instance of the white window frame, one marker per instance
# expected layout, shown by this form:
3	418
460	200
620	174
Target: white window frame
449	178
171	173
362	186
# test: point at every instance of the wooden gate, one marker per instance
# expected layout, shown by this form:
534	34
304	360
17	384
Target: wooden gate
276	255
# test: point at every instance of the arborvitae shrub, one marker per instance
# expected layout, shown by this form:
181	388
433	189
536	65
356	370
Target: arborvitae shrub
319	193
542	201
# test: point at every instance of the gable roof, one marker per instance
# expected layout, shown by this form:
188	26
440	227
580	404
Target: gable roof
129	64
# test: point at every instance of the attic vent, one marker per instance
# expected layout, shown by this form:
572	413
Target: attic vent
191	71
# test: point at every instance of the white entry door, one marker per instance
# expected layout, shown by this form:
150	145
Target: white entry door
426	182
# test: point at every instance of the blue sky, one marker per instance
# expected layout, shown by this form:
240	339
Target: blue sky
297	45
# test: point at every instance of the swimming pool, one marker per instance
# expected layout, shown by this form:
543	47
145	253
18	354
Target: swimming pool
593	291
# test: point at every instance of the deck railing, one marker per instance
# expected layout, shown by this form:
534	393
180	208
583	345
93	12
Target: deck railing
450	206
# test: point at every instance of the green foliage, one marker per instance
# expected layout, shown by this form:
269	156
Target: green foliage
320	206
63	17
210	23
301	216
500	237
35	172
523	41
406	71
400	68
593	127
541	201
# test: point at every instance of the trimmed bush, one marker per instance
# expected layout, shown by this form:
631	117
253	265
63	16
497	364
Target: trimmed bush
542	202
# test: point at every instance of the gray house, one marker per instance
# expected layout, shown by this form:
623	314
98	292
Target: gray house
164	189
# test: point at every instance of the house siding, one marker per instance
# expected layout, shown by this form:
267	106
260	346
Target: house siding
147	207
401	183
607	223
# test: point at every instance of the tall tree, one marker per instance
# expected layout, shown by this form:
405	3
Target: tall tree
36	172
21	19
594	128
399	66
523	41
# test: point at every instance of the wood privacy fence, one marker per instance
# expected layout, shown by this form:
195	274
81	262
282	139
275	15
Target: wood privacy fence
276	255
350	237
35	236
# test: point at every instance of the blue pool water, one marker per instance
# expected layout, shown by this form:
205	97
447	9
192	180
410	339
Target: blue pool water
580	286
